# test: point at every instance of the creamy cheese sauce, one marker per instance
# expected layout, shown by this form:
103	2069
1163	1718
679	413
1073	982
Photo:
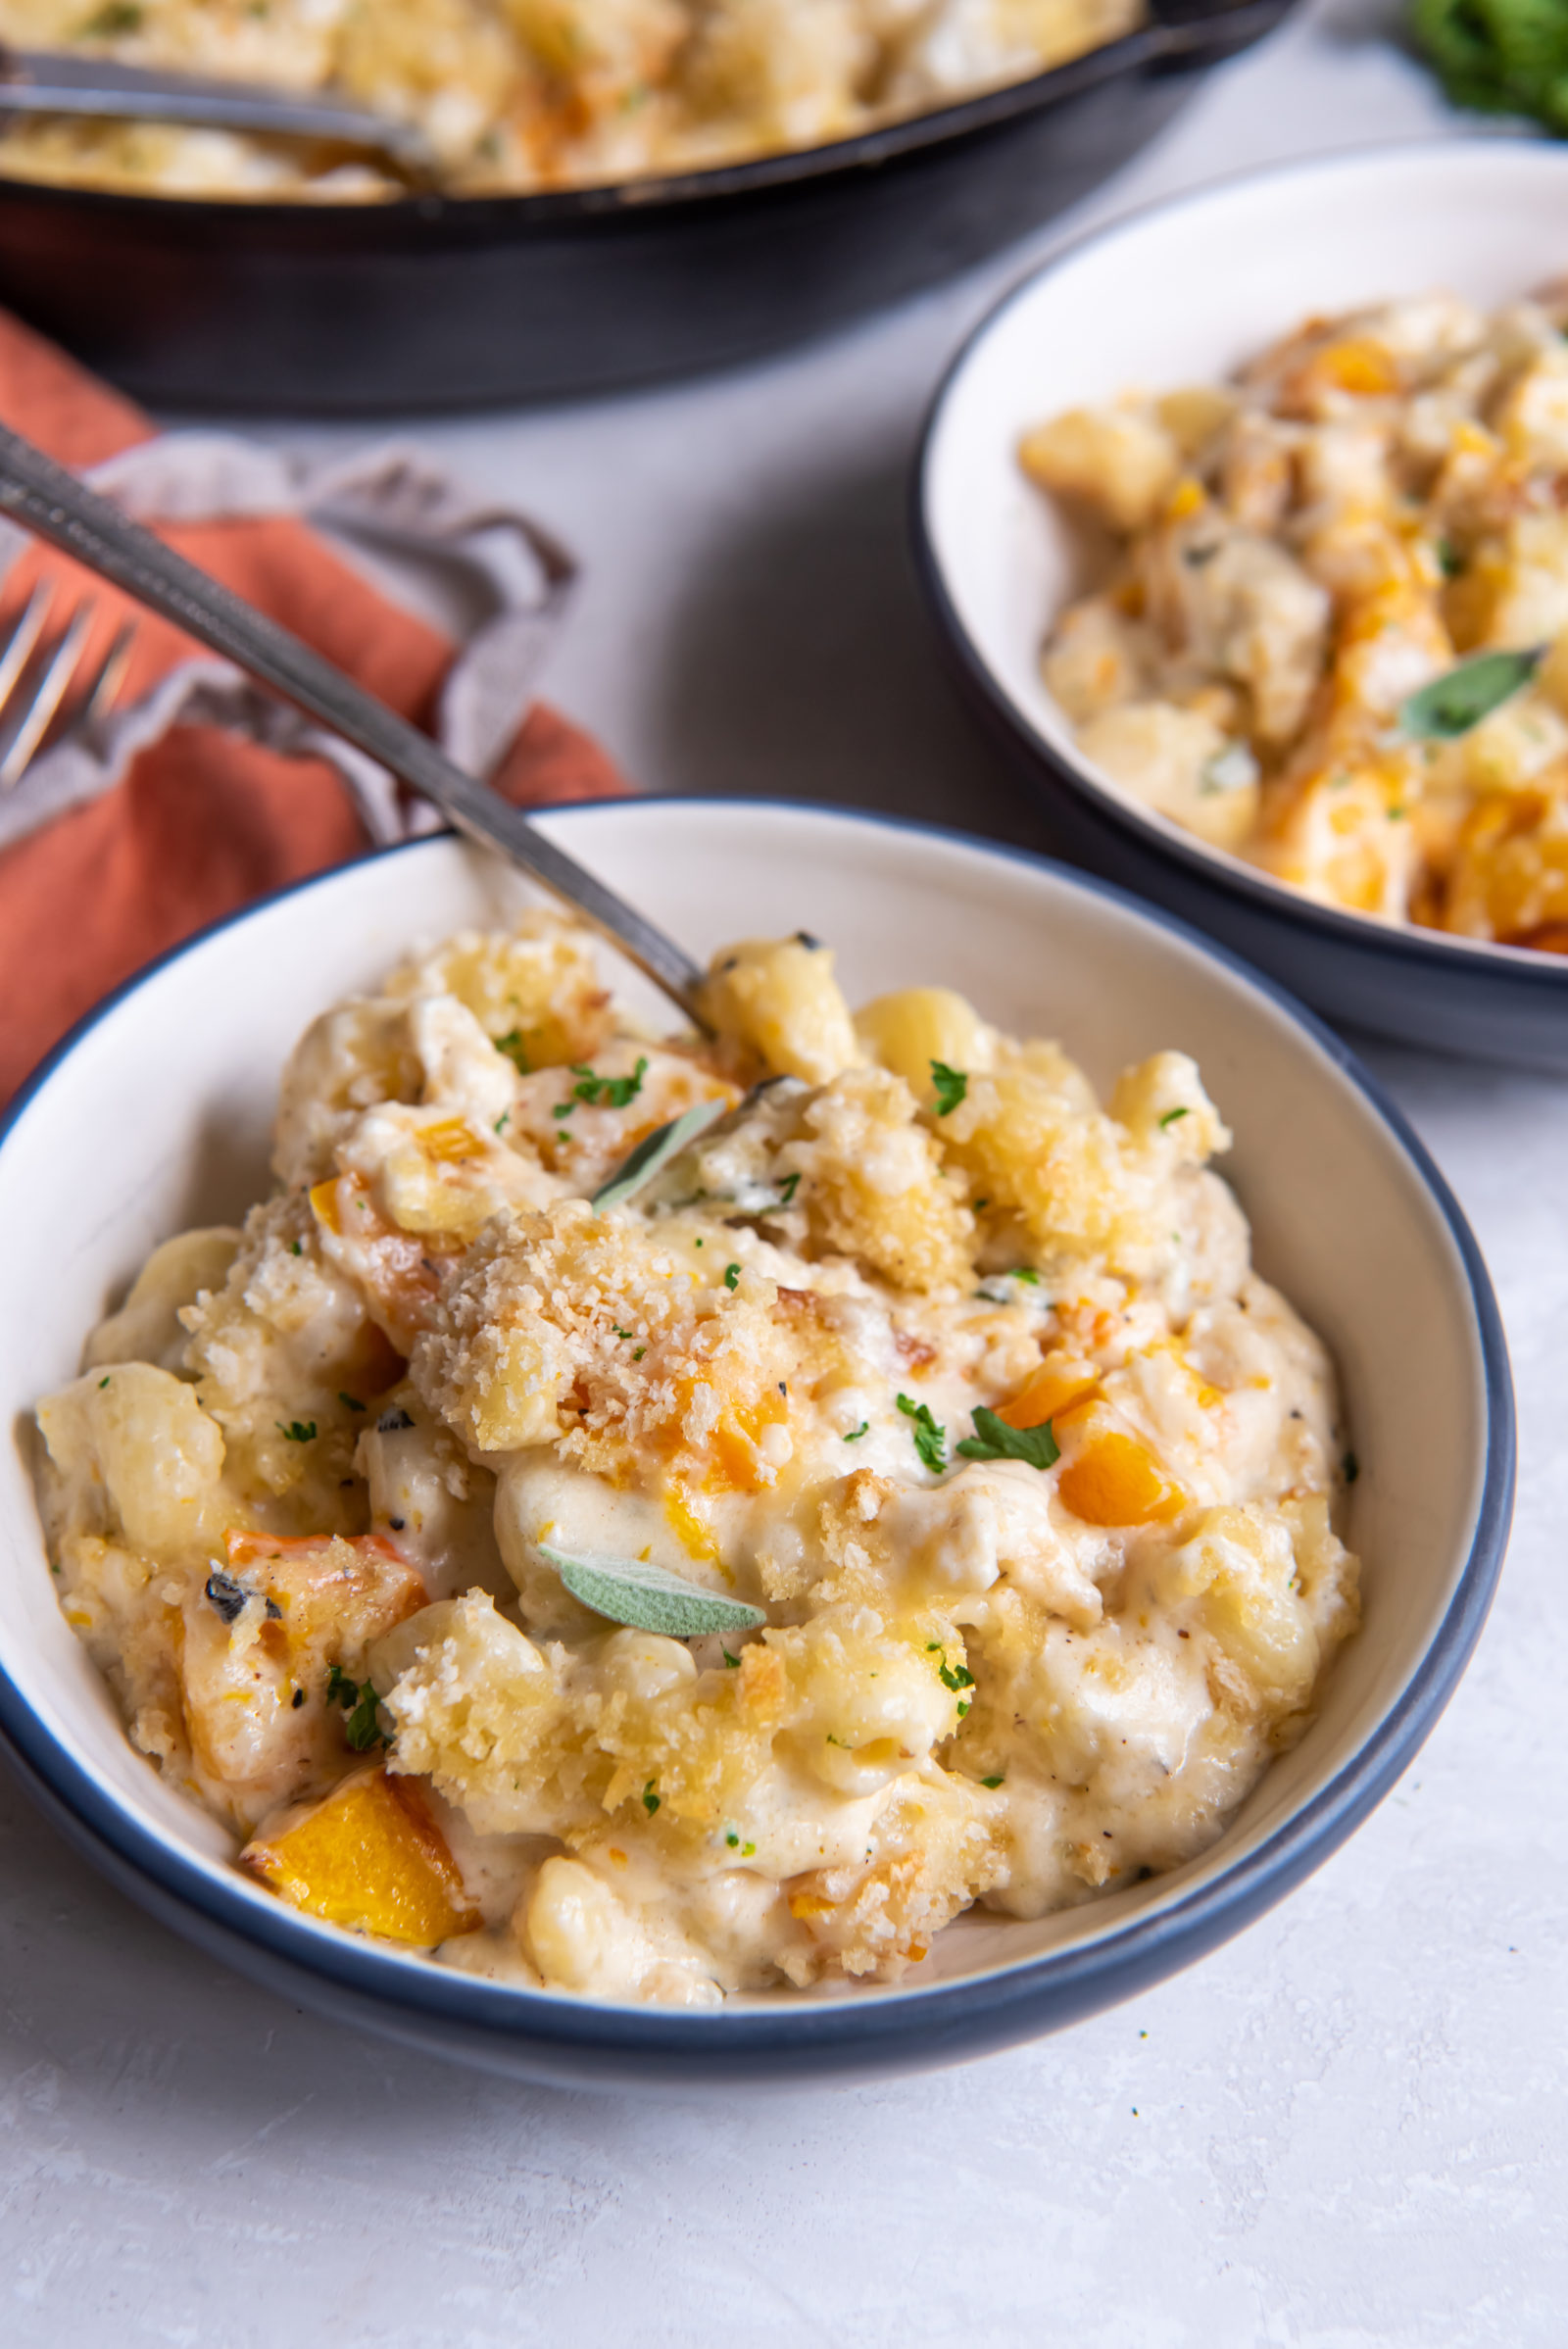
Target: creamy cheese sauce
962	1385
515	95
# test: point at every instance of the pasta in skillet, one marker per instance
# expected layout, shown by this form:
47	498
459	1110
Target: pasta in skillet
515	95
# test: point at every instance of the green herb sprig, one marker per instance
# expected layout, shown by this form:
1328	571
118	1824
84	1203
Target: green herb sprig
654	1153
995	1439
1498	56
362	1727
952	1085
1451	704
647	1599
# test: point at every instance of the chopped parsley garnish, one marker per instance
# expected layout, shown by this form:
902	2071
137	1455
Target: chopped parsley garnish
995	1439
362	1727
732	1274
787	1190
650	1800
952	1085
1025	1272
858	1432
731	1663
1173	1117
1449	559
294	1249
980	1205
993	1783
733	1840
298	1431
602	1093
503	1121
350	1402
954	1675
512	1046
104	1381
639	1353
748	1851
930	1437
619	1331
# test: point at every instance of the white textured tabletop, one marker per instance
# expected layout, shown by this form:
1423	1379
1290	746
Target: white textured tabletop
1349	2128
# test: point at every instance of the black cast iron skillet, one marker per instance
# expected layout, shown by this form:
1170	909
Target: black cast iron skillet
462	302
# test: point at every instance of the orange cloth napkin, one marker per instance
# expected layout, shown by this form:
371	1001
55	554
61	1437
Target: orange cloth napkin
204	820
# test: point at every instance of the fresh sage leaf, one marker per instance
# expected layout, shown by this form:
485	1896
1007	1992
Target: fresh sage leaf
1451	704
654	1153
995	1439
646	1597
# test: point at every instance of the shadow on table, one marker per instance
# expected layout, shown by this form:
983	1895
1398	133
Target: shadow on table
802	663
107	2014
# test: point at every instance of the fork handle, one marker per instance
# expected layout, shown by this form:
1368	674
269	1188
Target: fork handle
52	503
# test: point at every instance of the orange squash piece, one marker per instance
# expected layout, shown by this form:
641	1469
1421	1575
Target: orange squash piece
1116	1480
368	1857
1046	1394
324	1203
449	1142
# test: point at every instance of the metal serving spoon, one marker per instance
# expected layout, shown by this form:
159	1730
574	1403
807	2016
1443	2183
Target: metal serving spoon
47	81
52	503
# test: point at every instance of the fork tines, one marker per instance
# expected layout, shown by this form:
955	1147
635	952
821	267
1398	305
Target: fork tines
37	674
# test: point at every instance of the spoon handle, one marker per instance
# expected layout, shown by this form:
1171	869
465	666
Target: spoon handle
53	504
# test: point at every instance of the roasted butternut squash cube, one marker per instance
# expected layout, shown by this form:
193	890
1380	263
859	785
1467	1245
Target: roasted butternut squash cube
1050	1390
1116	1480
368	1857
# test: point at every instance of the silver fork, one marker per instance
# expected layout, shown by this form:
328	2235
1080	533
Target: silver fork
38	671
51	502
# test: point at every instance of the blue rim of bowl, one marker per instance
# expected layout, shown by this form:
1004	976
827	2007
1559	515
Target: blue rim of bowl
1407	944
924	2022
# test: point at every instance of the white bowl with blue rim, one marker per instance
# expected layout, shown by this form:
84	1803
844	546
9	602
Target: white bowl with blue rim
155	1114
1178	294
